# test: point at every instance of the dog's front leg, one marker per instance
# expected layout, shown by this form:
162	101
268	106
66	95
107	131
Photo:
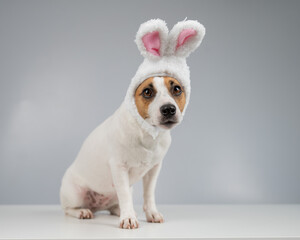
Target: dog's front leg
149	183
121	182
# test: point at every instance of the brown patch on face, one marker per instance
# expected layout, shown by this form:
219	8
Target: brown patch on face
142	103
171	83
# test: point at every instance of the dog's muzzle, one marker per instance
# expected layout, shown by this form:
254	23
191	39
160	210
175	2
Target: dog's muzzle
168	112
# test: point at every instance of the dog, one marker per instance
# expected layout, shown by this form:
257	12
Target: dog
131	144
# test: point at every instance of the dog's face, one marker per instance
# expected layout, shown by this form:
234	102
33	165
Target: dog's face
160	101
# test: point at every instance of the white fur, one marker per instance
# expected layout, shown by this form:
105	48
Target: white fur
162	97
117	154
125	147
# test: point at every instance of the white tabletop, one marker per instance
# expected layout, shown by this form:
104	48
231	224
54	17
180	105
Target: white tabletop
181	221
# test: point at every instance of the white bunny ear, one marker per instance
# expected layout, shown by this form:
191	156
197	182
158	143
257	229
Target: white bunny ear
152	38
185	37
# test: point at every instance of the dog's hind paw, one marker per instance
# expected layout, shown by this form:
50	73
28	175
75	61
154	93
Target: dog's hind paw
81	213
85	214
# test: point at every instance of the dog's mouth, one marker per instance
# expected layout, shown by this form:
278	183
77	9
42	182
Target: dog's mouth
168	123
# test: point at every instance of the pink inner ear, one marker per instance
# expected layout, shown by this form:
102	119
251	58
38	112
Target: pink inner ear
152	42
184	36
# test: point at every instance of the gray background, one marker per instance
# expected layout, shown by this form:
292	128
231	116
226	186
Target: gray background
65	67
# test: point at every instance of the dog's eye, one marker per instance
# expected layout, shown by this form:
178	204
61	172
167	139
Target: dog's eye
177	90
147	93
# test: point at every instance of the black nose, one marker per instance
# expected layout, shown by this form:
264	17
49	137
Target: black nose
168	110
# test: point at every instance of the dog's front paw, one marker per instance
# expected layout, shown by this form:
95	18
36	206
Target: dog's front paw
154	216
129	222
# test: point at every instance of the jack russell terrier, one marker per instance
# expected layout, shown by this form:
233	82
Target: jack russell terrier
132	143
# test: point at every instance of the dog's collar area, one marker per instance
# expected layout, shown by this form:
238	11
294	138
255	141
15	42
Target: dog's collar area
146	127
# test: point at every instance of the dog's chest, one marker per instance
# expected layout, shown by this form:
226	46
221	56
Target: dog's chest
141	166
144	158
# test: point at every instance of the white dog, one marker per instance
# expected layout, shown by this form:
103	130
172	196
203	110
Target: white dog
132	143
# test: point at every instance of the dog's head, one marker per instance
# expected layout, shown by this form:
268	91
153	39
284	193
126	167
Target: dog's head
160	101
160	90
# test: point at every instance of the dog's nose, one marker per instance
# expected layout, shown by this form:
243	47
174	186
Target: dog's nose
168	110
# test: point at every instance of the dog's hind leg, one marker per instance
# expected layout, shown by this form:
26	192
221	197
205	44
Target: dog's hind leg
115	210
81	213
72	199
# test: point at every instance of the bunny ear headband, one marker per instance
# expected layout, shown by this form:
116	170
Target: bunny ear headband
154	42
164	54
